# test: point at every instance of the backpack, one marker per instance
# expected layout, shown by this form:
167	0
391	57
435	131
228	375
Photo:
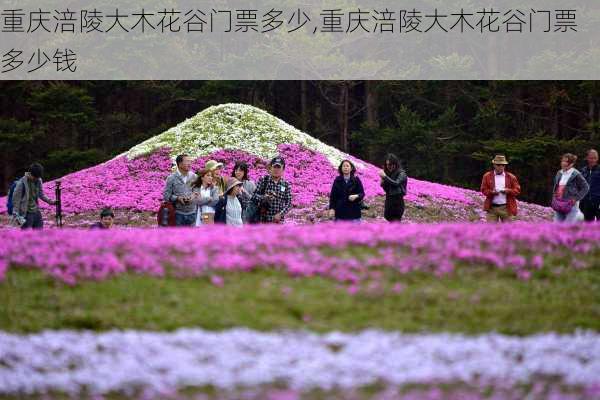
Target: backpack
9	200
166	214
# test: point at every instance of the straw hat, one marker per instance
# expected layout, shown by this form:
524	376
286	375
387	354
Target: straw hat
500	159
211	165
231	183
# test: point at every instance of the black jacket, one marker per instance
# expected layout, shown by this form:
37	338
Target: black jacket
395	183
338	198
592	176
221	209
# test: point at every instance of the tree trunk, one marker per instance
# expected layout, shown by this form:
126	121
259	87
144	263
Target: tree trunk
304	106
344	105
371	104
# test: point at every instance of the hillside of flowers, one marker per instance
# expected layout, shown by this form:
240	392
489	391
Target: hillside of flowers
377	253
134	181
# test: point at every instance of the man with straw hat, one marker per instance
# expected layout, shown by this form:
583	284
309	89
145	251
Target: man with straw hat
500	189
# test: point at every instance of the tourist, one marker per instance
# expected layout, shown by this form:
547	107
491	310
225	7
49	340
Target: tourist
205	196
590	204
28	190
500	189
229	209
569	188
393	182
107	218
273	194
218	180
240	172
178	190
346	194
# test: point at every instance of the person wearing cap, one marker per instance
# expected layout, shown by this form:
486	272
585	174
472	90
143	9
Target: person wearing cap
26	212
216	168
273	194
107	217
229	209
500	189
178	190
590	204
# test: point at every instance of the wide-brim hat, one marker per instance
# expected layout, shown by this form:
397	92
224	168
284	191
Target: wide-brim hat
231	183
500	160
212	165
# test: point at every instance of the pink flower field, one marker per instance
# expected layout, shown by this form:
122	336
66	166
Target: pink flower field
376	253
133	182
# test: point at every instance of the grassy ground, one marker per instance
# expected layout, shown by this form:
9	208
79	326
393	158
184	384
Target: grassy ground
472	300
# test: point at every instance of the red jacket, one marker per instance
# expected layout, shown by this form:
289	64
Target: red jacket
513	189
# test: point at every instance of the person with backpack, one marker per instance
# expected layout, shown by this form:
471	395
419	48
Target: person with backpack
393	182
178	190
28	190
346	194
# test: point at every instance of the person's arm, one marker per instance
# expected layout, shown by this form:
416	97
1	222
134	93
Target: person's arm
287	200
360	190
515	190
332	197
485	189
214	197
259	193
400	179
17	197
168	192
582	187
43	196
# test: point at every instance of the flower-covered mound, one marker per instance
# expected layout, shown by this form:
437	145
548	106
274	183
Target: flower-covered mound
71	362
134	181
336	251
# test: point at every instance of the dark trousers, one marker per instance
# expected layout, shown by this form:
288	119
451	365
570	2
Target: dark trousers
590	209
394	208
33	220
185	220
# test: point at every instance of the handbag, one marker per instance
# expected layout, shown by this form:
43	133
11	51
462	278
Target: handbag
562	206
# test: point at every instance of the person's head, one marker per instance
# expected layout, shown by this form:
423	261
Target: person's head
233	187
567	160
107	217
276	167
184	163
205	178
36	171
391	163
347	168
499	162
240	171
592	158
215	167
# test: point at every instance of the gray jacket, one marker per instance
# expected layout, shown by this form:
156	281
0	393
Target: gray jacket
576	188
211	201
175	188
20	197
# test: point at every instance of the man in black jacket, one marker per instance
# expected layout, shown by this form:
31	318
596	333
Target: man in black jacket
590	204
